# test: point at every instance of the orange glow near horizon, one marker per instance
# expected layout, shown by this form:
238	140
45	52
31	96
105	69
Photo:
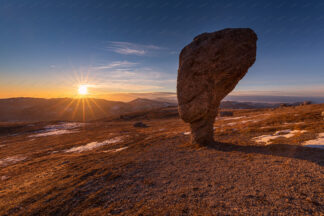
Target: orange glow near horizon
76	84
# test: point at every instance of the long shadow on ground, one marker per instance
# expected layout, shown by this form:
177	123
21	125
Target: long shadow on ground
283	150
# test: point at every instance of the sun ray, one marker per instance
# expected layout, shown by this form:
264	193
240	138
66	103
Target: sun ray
66	107
61	102
90	107
80	102
76	108
83	113
99	107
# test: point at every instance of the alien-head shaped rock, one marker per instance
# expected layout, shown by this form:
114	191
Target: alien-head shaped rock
209	68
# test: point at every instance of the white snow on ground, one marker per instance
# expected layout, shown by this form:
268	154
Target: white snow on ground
250	119
230	118
316	143
283	133
93	145
51	133
245	121
11	160
187	133
293	123
3	178
65	125
286	123
58	129
115	150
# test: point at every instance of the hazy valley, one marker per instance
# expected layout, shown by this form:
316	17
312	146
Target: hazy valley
89	109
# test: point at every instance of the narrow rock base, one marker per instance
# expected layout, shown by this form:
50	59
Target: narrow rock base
202	132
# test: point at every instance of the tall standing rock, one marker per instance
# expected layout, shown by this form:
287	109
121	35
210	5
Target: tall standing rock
209	68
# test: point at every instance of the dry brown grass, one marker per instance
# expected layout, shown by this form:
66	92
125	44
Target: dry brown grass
161	173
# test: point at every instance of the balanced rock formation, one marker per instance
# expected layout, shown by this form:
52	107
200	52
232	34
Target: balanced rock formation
209	68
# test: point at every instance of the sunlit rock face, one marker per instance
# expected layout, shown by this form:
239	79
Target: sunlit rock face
209	68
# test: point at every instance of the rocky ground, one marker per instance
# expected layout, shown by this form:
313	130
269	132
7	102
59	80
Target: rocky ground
260	165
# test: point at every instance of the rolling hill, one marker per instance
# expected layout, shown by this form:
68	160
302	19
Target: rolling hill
264	162
67	109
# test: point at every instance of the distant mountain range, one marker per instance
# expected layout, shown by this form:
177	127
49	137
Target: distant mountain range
253	105
38	109
273	99
67	109
255	98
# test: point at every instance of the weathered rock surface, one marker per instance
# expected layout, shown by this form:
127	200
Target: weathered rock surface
209	68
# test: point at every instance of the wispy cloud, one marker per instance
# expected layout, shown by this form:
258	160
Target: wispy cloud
127	48
115	64
125	76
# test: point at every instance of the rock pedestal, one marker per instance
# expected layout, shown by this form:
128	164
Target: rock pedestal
209	68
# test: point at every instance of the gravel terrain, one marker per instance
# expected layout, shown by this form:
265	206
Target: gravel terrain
125	170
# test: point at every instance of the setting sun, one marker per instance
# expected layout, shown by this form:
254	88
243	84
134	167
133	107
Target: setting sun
83	90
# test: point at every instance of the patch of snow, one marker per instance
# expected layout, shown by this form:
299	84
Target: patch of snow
115	150
283	133
187	133
59	129
3	178
293	123
240	117
148	137
316	143
230	118
264	114
11	160
93	145
51	133
245	121
266	127
65	125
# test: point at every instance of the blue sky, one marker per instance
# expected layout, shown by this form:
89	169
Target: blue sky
133	46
